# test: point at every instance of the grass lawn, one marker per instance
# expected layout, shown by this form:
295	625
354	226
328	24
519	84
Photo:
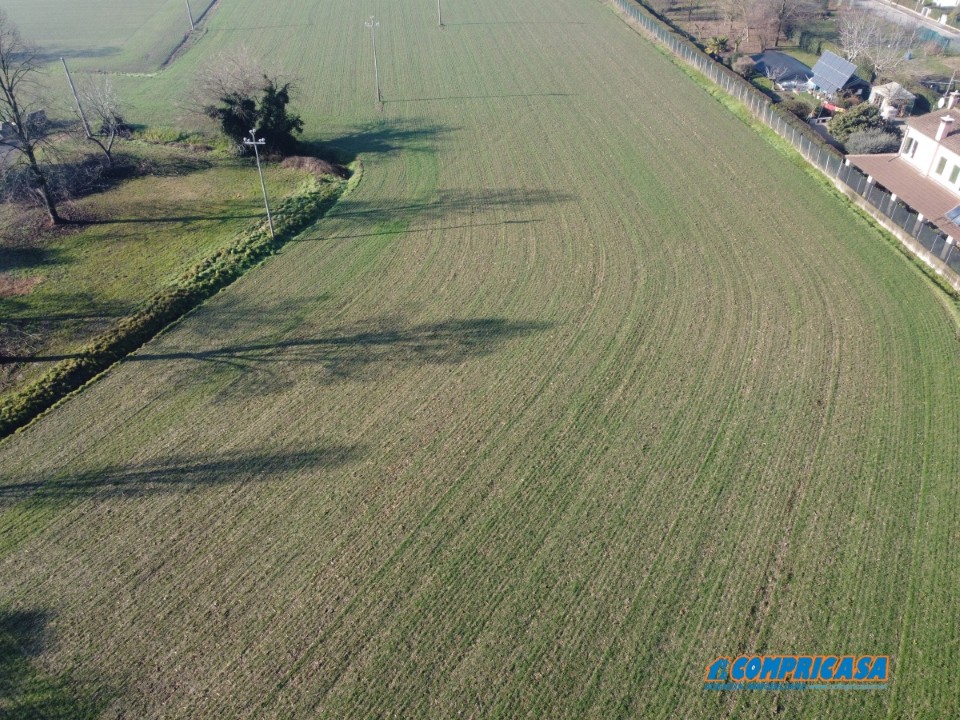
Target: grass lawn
63	287
549	412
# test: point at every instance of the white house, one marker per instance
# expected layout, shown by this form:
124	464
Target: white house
925	173
932	145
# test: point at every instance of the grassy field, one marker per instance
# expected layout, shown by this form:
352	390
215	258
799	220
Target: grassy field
60	289
546	415
114	35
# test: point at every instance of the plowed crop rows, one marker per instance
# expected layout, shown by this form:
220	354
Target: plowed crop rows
584	385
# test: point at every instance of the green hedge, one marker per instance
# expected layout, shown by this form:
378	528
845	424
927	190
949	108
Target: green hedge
311	201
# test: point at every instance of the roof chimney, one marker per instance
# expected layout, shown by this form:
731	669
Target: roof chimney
952	99
946	125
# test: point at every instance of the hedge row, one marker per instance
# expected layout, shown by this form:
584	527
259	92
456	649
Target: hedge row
312	200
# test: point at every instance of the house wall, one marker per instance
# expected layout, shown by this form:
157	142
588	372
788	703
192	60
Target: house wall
925	155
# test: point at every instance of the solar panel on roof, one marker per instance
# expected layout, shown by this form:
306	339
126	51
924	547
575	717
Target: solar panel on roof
832	72
954	215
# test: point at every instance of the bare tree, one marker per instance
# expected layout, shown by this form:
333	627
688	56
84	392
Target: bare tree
101	102
865	37
890	54
788	14
856	32
730	12
229	74
25	128
775	73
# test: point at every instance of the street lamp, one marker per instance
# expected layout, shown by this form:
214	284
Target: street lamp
255	144
373	24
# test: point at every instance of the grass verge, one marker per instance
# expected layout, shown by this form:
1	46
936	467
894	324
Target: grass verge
294	214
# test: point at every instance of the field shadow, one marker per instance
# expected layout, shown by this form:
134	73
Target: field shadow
443	228
178	474
381	137
27	327
454	202
480	97
517	22
177	219
47	55
25	690
26	257
365	351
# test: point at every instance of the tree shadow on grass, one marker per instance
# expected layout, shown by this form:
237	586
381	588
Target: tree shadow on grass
503	96
365	351
26	691
54	54
453	203
176	474
382	137
178	219
27	257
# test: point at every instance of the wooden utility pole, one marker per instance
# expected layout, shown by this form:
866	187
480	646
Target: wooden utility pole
190	15
256	145
373	25
439	15
83	117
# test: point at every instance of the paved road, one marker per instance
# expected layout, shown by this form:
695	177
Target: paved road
899	14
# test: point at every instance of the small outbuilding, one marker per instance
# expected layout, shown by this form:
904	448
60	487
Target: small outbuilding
894	99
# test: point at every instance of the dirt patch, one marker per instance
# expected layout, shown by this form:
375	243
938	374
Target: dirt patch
315	166
13	286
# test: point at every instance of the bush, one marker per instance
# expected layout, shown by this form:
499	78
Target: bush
872	141
798	107
864	116
745	66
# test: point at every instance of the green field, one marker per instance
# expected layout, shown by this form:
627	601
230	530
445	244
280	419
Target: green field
553	409
114	35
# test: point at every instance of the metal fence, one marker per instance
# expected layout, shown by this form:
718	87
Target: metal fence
805	139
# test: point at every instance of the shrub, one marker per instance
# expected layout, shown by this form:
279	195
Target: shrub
746	67
864	116
872	141
798	107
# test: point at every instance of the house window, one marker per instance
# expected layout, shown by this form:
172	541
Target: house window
954	174
941	165
909	146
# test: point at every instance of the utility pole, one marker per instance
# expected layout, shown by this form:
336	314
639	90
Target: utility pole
86	125
439	15
190	16
373	25
255	144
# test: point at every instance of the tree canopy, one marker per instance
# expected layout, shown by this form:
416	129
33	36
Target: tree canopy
238	113
864	116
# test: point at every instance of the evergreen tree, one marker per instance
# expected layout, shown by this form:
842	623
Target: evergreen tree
238	114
